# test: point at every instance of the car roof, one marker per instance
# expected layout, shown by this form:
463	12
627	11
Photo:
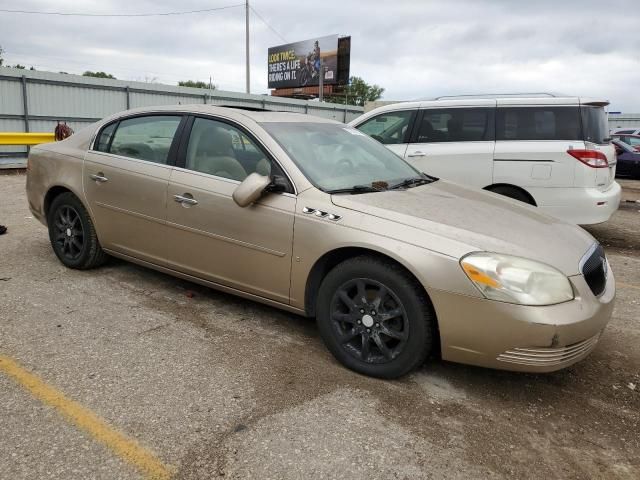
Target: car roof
492	100
233	112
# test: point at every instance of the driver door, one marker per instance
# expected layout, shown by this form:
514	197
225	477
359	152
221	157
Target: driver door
211	237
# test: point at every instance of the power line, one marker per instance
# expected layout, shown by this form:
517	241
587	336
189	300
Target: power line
159	14
267	24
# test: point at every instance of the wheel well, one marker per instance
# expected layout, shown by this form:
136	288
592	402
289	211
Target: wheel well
51	195
495	186
330	259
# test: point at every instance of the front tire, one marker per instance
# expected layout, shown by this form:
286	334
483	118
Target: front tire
72	234
374	317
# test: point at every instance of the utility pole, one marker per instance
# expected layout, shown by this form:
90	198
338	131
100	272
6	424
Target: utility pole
246	7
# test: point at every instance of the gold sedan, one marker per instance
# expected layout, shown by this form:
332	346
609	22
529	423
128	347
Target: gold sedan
314	217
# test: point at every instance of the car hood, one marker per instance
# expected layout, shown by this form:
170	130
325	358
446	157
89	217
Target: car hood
480	220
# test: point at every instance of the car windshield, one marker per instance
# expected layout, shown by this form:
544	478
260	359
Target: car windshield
336	157
594	122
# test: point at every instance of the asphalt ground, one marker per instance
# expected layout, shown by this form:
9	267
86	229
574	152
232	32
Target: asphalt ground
123	372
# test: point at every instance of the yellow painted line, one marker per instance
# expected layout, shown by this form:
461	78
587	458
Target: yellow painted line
627	285
126	448
21	138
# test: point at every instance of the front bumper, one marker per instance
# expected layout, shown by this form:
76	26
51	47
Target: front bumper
505	336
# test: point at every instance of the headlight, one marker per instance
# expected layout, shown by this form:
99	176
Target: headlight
516	280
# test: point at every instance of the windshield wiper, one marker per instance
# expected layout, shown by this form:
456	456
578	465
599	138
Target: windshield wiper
357	189
412	182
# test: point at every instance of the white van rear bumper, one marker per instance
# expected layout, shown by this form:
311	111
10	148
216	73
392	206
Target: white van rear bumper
582	206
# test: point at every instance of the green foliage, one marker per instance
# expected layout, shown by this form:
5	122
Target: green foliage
18	66
89	73
195	84
357	93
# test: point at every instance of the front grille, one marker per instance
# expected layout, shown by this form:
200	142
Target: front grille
547	356
594	269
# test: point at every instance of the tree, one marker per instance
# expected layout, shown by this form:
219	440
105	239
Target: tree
196	84
89	73
18	66
1	52
357	93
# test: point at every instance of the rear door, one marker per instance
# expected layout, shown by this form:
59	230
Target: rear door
125	181
532	143
455	143
211	237
392	128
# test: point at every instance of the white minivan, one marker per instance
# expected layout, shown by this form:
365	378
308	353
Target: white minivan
549	151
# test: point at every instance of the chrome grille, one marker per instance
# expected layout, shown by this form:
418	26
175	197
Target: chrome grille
548	356
594	269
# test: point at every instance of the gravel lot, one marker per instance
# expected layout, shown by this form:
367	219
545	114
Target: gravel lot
220	387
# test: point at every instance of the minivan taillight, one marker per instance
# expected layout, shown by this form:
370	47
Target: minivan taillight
591	158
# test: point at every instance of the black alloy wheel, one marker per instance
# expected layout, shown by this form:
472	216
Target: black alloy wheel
369	320
72	234
68	236
375	317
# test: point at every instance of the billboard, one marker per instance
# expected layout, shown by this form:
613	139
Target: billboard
298	64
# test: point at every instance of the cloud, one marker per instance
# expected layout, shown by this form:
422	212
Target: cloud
415	49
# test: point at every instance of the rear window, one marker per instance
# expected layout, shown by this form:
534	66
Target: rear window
538	123
594	122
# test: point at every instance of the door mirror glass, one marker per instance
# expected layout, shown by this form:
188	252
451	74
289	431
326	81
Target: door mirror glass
251	189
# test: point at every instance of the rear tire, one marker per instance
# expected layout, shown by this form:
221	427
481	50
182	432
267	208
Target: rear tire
374	318
72	234
513	192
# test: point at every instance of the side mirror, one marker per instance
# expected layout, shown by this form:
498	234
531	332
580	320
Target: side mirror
250	189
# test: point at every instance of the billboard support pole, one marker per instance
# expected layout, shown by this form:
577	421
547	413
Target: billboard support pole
321	82
246	6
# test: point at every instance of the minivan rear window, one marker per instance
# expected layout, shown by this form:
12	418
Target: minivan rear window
538	123
594	122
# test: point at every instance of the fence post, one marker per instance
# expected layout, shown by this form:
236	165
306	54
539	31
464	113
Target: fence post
127	93
25	103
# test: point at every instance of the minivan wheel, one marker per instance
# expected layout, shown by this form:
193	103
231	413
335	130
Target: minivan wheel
72	234
513	192
374	318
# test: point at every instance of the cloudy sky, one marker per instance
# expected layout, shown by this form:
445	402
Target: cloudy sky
412	48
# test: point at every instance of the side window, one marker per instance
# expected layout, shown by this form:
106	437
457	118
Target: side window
145	138
103	141
456	125
538	123
389	128
220	149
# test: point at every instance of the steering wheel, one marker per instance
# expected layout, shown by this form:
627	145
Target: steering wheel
344	166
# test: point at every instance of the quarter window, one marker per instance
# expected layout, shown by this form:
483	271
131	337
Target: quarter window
456	125
538	123
389	128
145	138
219	149
102	144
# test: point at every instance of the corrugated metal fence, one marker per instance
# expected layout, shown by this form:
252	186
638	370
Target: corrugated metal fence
32	101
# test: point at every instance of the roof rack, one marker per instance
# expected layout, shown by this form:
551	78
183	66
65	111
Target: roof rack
498	95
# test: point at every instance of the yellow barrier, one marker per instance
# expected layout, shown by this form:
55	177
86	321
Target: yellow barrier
18	138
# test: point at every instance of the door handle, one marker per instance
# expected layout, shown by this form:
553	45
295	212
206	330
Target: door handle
99	177
417	154
185	200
